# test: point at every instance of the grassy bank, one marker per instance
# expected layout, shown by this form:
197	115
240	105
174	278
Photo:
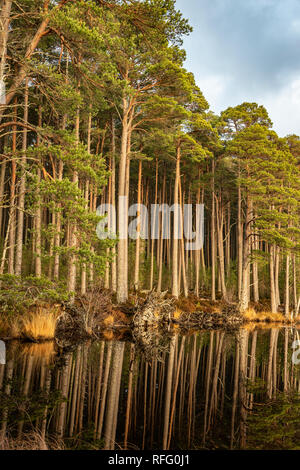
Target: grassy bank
34	325
36	310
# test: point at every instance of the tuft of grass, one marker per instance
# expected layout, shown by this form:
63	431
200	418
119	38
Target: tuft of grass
39	325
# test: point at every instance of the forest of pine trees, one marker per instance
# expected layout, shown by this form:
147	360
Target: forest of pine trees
96	105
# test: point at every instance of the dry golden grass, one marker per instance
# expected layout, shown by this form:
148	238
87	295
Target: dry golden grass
252	316
36	325
39	325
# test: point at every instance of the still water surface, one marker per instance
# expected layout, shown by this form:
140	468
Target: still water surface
204	390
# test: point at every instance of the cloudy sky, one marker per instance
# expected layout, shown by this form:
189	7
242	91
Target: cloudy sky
247	50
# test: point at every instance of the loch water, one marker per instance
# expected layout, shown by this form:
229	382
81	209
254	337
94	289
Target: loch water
186	390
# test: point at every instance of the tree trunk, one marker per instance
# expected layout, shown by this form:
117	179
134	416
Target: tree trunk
197	255
175	286
287	286
73	235
38	218
152	240
295	294
4	22
122	289
244	297
19	247
2	198
220	224
113	201
138	229
240	239
182	251
272	281
86	197
255	274
213	241
12	209
277	266
58	227
161	241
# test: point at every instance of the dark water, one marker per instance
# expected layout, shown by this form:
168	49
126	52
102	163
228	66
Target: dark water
204	390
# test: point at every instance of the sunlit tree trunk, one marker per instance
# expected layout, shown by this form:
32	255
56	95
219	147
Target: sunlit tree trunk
73	235
240	238
220	226
197	254
287	286
182	250
213	239
175	281
86	197
2	195
161	241
113	201
122	289
12	209
276	274
152	234
38	217
4	31
138	230
272	280
244	297
21	201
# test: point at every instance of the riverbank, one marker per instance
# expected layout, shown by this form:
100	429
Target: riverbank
90	315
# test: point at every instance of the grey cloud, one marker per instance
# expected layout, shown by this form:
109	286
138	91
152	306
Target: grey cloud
256	42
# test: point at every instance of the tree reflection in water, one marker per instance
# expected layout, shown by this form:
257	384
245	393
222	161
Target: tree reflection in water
210	390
